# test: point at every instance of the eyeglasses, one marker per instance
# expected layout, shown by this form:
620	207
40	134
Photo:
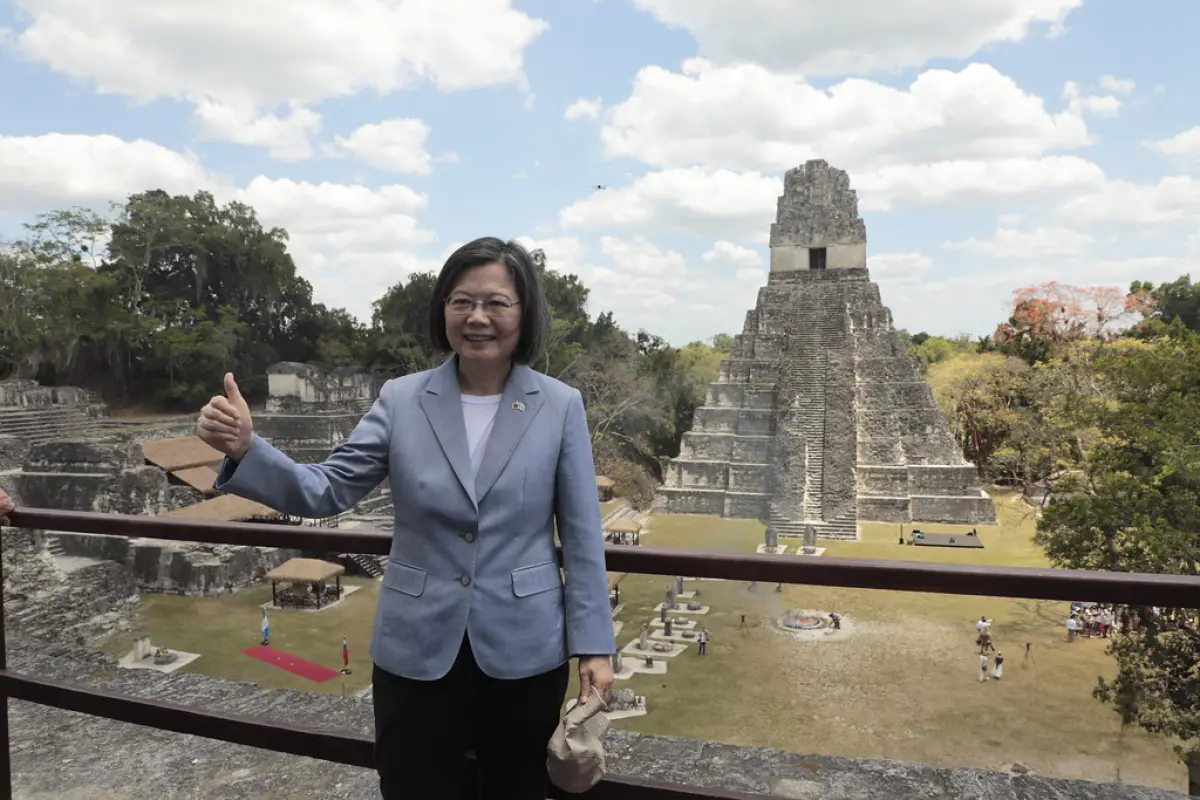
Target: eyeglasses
494	306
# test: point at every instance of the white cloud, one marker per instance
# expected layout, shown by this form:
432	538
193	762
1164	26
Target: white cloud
742	205
729	254
899	268
1171	200
1111	83
393	145
720	202
648	287
261	54
56	170
960	183
1079	102
350	242
1184	145
285	138
745	117
853	36
584	109
1041	242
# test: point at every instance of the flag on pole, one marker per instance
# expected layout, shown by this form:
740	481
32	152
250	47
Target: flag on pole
345	652
266	627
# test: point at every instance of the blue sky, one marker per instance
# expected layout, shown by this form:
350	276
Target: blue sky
993	144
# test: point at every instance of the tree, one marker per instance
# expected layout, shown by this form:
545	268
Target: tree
1136	507
1049	315
981	396
1167	304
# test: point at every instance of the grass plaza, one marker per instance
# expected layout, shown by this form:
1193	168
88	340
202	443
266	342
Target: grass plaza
899	681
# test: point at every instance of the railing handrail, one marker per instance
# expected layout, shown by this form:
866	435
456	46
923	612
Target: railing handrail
1038	583
354	749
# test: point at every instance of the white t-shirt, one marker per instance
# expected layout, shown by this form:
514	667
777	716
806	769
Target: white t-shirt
479	412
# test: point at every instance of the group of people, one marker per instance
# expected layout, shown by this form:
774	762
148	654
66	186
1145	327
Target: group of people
1090	621
983	639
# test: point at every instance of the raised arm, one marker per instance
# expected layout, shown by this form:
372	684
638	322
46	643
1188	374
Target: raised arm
268	476
577	509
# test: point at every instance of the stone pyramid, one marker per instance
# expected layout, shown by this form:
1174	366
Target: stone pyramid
820	418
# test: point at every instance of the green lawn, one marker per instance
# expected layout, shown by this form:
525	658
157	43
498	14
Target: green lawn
903	685
219	628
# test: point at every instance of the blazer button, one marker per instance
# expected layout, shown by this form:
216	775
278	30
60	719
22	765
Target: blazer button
469	537
465	580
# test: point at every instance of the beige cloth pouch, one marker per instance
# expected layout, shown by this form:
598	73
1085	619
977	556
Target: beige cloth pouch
576	750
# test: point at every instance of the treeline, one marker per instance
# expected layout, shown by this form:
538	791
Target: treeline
151	304
1089	399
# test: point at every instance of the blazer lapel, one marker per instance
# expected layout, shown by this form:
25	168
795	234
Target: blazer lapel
443	407
520	404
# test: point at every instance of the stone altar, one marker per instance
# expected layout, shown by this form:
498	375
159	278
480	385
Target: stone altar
820	417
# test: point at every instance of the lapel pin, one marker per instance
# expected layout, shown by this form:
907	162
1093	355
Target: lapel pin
518	406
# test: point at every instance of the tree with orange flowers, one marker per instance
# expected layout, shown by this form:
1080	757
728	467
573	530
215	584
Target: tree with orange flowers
1049	315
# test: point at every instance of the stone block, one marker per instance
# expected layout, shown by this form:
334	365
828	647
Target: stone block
703	474
884	509
749	477
883	481
955	510
746	505
751	449
943	480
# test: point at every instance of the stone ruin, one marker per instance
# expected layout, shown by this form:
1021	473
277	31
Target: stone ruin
101	467
296	388
57	606
32	414
820	417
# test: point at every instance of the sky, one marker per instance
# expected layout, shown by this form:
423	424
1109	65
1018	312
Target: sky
993	144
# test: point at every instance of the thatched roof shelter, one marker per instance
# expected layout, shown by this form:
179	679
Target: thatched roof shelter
305	570
223	508
605	482
625	525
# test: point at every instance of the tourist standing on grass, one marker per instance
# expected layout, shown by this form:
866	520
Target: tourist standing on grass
983	669
998	670
474	628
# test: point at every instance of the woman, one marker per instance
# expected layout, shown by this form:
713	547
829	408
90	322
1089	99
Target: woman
474	628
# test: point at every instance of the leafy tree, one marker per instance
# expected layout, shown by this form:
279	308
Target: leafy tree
981	396
1052	314
1136	507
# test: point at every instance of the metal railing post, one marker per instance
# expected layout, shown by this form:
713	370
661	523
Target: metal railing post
5	756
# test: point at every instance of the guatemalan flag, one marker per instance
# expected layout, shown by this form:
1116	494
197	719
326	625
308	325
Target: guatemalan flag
266	628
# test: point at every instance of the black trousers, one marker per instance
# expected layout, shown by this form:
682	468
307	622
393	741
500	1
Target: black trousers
422	729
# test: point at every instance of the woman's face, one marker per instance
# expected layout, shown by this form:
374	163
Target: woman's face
483	315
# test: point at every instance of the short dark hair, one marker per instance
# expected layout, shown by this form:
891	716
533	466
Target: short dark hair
536	322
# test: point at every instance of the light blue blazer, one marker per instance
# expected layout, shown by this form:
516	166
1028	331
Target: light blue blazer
467	556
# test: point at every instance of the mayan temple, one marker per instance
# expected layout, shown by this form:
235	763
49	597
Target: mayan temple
820	418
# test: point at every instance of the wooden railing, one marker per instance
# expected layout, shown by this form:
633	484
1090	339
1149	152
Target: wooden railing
347	748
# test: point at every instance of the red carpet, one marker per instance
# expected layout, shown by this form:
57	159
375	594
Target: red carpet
293	664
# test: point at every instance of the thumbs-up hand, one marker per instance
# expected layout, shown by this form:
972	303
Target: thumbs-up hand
225	423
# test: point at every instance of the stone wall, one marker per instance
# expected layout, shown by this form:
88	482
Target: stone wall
62	754
78	600
35	414
302	388
820	417
104	477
